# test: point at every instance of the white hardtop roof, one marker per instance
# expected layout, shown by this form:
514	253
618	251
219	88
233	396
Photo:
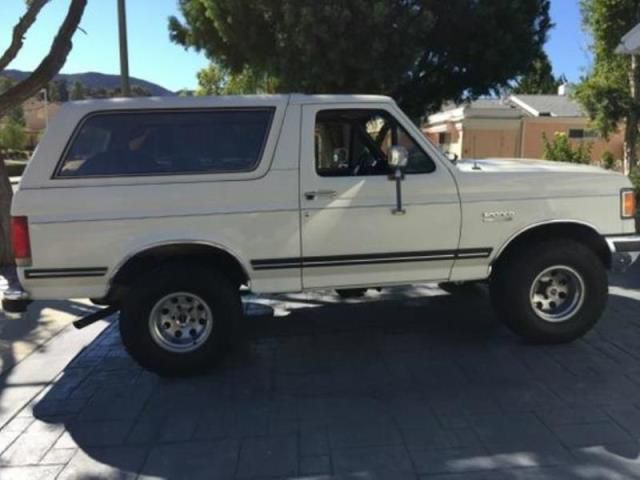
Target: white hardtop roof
134	103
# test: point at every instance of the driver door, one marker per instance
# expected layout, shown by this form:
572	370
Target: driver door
350	233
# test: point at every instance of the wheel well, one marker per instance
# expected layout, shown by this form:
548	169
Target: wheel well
574	231
156	256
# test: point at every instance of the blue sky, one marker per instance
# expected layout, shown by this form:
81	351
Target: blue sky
153	57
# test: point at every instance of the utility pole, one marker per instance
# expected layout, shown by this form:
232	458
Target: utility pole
124	53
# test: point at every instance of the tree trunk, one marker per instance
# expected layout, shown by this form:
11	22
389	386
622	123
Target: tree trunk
6	193
630	142
50	65
16	95
631	127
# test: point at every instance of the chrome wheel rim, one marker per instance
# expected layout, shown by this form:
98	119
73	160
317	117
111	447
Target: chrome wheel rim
557	293
180	322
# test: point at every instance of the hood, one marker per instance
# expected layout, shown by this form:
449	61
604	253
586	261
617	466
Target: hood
523	165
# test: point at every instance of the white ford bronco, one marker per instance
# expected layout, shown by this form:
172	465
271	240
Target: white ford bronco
163	208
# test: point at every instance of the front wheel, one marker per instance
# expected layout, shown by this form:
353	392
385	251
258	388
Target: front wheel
550	292
178	320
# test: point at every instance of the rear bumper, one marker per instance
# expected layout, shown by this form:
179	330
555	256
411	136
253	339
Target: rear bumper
14	299
625	250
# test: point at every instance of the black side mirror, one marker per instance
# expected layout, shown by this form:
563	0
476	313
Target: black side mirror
453	157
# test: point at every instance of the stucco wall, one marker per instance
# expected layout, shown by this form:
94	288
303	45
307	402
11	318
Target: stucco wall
534	128
34	113
519	138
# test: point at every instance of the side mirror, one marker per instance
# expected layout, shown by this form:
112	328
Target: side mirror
453	157
398	157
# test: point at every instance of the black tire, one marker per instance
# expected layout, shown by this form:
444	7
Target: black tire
513	279
346	293
219	294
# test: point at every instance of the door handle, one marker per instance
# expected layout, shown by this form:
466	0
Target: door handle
320	193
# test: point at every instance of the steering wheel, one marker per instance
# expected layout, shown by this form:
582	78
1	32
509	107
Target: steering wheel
366	164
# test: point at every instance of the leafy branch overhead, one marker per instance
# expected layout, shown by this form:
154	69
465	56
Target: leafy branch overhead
422	52
539	80
610	92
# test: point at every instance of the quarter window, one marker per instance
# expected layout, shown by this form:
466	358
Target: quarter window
356	143
167	142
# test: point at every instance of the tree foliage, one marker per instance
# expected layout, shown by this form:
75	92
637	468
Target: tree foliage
15	114
422	52
12	136
607	93
78	91
58	91
217	80
539	80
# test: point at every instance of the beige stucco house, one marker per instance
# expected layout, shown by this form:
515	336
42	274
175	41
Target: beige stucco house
513	127
37	113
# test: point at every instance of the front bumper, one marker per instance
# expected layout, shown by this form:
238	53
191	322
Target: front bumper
625	250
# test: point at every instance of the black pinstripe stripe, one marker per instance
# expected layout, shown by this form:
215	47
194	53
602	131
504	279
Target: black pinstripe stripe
369	259
65	272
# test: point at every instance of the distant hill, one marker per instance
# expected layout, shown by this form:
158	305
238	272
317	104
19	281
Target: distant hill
94	80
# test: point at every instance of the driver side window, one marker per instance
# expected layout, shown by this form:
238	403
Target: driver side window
356	143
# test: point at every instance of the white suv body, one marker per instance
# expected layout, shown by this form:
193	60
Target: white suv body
288	193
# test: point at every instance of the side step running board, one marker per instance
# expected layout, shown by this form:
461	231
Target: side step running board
95	316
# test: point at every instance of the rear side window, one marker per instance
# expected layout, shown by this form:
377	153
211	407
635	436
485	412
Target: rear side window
167	142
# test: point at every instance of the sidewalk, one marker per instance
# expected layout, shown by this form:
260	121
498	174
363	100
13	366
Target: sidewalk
412	383
22	336
43	321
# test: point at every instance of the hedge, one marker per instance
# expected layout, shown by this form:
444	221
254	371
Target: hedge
15	167
9	154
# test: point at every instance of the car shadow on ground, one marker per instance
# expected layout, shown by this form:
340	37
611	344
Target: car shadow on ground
22	335
410	382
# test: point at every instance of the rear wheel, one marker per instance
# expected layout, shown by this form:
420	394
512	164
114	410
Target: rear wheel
550	292
178	320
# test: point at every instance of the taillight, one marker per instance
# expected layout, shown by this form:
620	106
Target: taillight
20	240
628	203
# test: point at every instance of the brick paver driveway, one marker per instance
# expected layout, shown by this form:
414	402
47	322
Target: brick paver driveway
412	384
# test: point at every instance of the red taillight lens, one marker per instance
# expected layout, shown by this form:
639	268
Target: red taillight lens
20	240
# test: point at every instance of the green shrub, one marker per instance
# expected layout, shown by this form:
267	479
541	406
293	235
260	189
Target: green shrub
20	155
12	136
608	161
561	150
15	168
